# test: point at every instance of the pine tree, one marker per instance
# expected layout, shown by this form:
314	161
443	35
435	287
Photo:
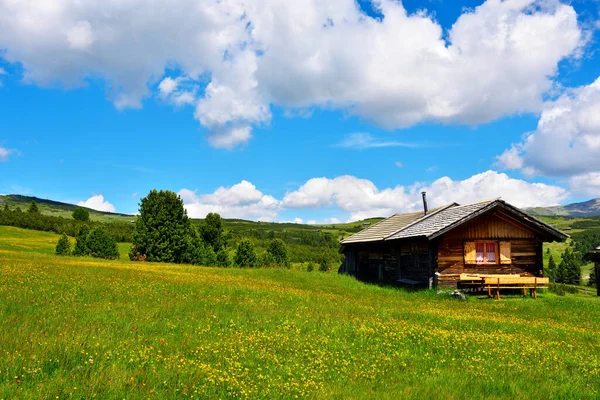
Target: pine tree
63	247
33	208
574	269
81	248
81	214
101	244
211	231
6	209
592	281
279	253
245	256
551	269
561	272
223	259
163	231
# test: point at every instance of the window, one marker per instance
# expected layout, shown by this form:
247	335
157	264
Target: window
485	252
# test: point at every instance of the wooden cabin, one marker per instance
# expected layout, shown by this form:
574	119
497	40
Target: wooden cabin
435	247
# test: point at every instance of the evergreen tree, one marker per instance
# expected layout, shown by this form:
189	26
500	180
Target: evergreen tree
33	208
211	231
223	259
561	272
245	256
101	244
592	281
81	214
279	253
323	264
81	248
551	269
63	247
163	232
6	209
569	269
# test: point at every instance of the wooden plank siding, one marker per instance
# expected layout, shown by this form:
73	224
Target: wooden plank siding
525	248
408	259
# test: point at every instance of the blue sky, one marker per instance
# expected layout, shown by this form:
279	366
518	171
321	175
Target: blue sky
312	112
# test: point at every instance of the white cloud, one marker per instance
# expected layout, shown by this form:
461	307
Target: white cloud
398	164
362	199
402	69
4	153
242	200
97	202
229	137
366	141
179	91
567	139
80	36
566	142
586	184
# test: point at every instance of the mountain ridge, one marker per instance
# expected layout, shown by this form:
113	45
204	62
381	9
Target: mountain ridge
589	208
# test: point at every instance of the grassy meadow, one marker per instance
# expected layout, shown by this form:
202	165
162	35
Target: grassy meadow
84	328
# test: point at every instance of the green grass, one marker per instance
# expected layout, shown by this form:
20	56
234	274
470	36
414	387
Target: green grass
82	328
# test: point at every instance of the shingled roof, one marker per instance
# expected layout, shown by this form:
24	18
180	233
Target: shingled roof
439	221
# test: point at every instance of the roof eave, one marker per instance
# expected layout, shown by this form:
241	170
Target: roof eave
557	235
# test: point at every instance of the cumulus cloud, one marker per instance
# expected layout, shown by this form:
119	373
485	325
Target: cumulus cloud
496	59
586	184
362	199
566	142
242	200
97	202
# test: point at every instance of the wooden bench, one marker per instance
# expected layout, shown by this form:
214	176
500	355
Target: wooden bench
501	282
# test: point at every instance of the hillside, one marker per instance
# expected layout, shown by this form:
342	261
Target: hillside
584	209
82	328
59	209
239	226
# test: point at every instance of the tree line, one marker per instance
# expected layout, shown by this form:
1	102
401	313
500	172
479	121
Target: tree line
32	218
164	233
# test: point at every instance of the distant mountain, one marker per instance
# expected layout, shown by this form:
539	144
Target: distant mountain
588	208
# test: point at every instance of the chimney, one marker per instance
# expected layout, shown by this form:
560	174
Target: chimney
424	202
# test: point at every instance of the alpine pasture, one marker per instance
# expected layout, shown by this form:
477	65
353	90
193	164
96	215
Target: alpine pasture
78	327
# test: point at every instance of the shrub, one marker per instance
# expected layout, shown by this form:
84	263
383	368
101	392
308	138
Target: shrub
63	247
81	248
223	259
311	267
101	244
279	253
245	256
268	260
561	289
163	231
81	214
323	264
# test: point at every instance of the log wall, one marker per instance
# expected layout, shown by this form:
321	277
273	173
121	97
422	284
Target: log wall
390	261
526	249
